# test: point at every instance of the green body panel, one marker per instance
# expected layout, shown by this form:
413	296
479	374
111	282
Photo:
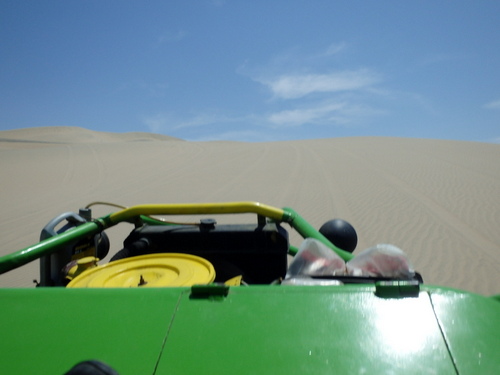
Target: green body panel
294	330
48	330
471	326
256	329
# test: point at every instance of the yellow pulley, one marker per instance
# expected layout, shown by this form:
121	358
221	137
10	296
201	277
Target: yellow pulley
152	270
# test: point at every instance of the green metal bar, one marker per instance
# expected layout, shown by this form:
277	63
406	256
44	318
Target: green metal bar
48	246
293	250
306	230
152	221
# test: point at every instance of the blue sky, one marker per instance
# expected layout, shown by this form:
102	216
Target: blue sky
254	70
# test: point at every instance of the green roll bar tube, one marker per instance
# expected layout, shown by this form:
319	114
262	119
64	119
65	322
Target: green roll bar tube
131	214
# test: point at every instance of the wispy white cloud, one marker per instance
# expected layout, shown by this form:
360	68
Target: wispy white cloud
244	135
165	122
495	104
294	60
201	119
337	113
300	116
158	122
209	127
312	94
297	86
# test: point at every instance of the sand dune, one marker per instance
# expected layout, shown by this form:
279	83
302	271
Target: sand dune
46	136
437	200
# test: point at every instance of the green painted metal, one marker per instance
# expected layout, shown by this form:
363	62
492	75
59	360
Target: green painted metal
28	254
315	330
48	246
306	230
471	327
48	330
257	329
389	327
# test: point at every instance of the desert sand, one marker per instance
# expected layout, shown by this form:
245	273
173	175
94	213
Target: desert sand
437	200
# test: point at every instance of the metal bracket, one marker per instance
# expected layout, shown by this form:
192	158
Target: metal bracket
397	289
209	291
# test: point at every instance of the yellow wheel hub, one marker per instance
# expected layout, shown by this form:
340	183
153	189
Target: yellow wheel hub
152	270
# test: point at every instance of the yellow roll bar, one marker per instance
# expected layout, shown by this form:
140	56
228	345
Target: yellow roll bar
199	209
52	244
